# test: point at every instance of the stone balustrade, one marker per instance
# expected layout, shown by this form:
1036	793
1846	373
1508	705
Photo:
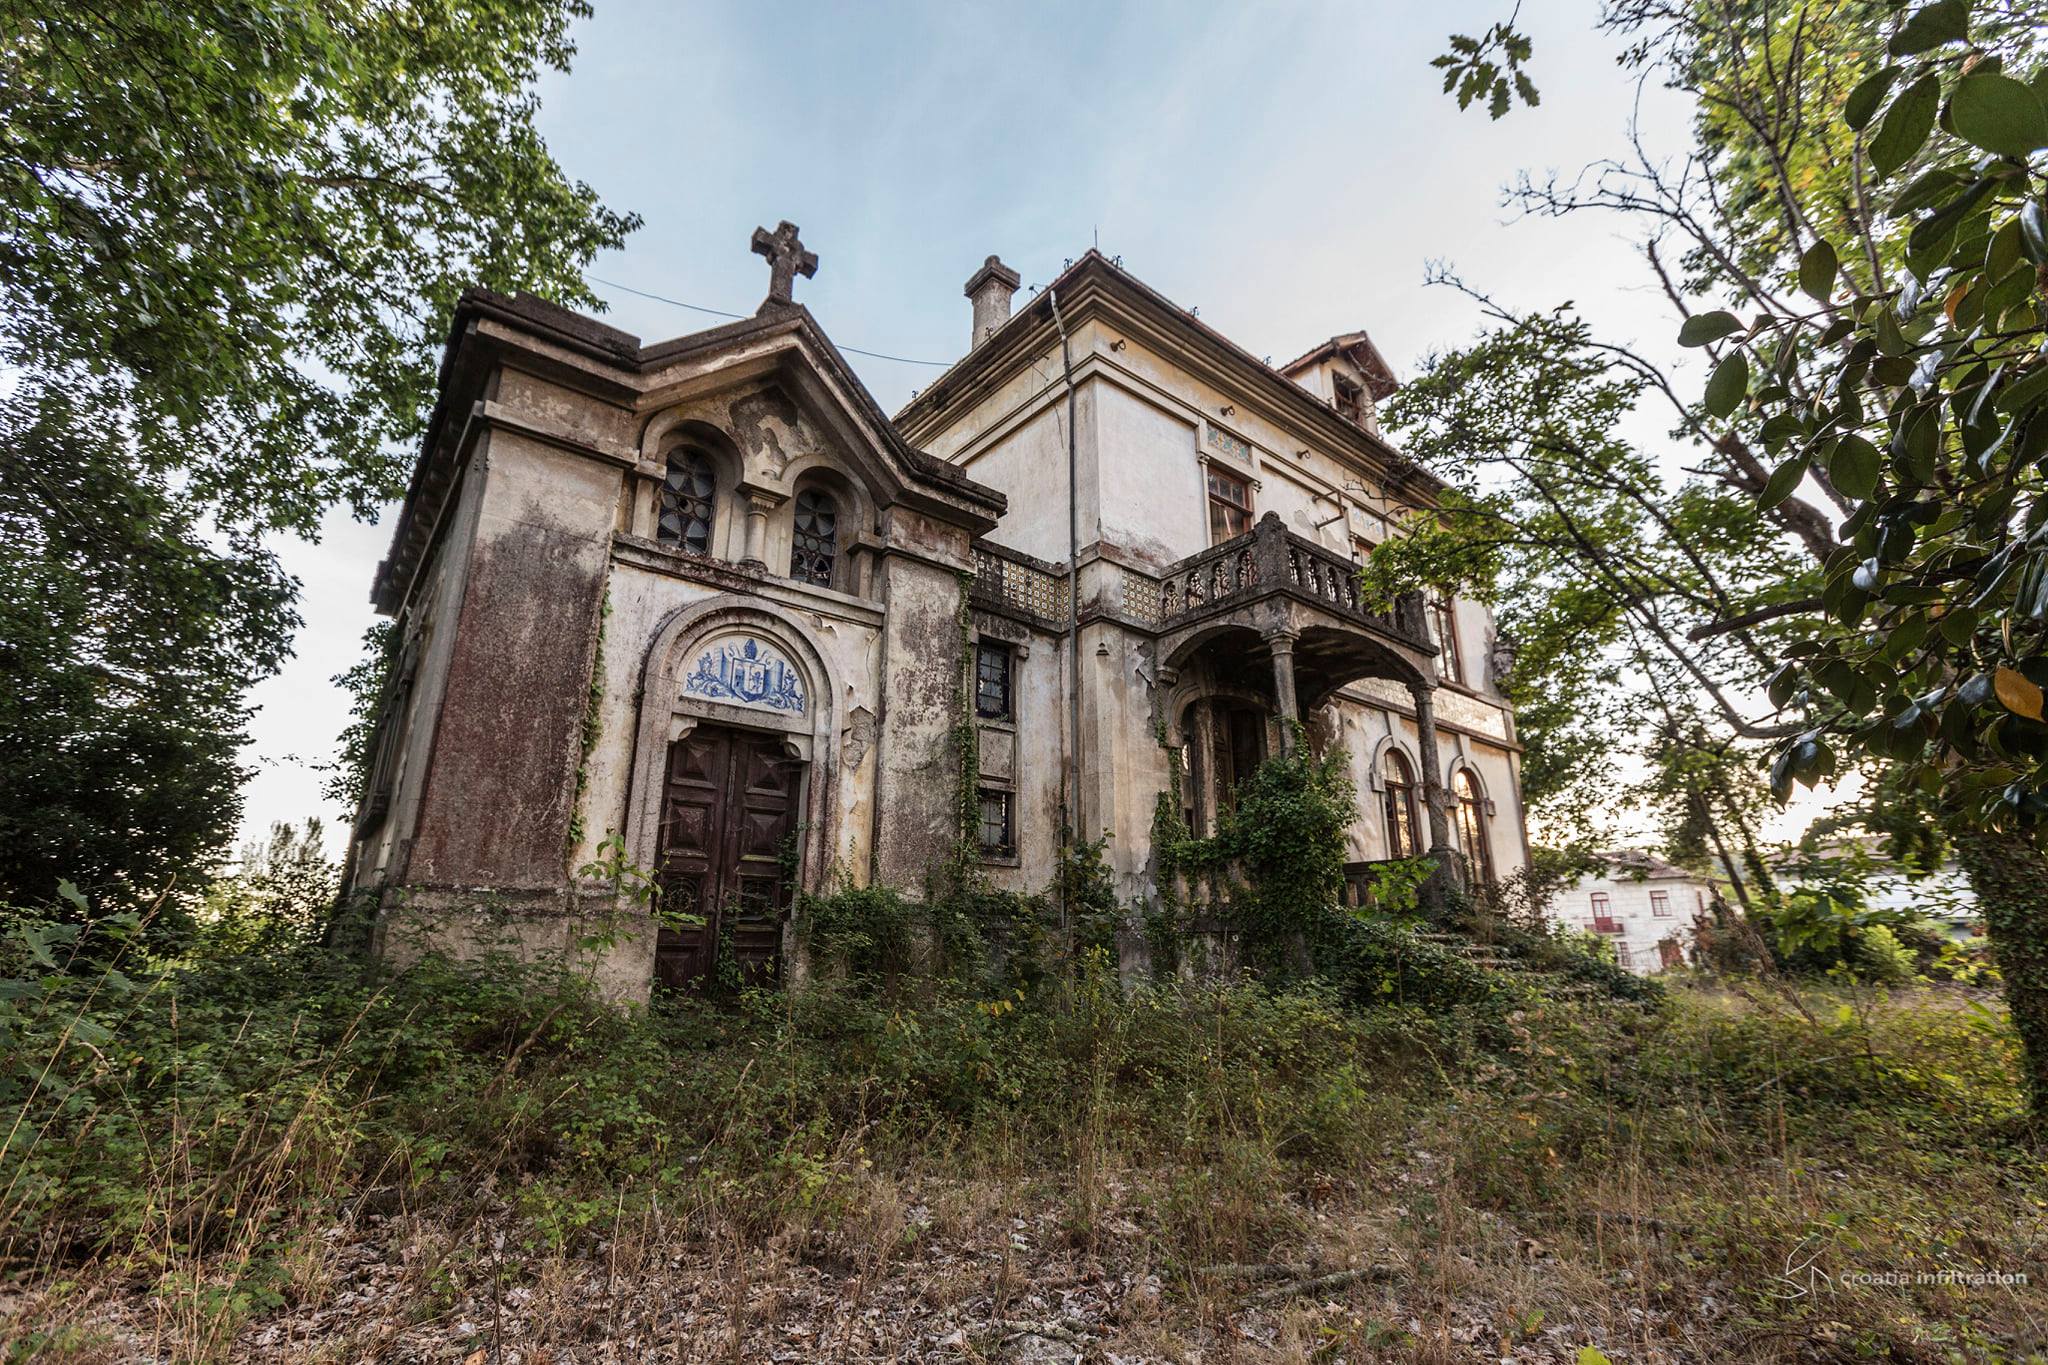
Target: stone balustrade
1270	558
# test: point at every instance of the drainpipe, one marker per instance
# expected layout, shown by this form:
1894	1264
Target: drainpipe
1073	793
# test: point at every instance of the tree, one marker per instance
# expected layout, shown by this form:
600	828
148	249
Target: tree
236	229
1866	198
281	891
1599	569
231	235
127	641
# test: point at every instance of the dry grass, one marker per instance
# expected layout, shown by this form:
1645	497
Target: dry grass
1705	1184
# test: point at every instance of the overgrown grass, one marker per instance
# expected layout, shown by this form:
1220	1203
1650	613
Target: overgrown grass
192	1149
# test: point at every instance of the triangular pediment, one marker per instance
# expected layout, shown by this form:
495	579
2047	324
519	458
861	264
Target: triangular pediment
773	383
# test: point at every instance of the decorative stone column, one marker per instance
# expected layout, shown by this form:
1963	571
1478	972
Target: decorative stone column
759	505
1205	763
1433	796
1282	644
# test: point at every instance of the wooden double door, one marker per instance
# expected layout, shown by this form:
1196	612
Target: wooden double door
728	827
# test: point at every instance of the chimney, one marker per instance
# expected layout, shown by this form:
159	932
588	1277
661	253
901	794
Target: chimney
991	289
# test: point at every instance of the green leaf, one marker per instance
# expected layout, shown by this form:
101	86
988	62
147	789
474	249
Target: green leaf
1783	480
91	1031
1727	385
1854	467
1867	96
1817	271
1906	126
1930	26
1998	114
2034	231
2024	393
1701	328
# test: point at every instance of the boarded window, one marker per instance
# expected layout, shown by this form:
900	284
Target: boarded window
1350	398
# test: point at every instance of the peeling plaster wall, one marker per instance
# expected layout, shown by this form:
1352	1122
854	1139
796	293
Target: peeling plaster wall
1122	766
923	685
438	604
1029	463
510	721
1154	505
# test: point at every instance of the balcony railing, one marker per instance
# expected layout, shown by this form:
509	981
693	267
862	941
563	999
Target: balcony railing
1268	559
1604	925
1007	581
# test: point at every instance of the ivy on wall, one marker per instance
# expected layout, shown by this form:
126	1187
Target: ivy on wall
593	725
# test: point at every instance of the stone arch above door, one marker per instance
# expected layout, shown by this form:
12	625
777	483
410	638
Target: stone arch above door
737	661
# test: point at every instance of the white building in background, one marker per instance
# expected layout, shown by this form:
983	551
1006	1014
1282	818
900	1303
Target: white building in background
1647	908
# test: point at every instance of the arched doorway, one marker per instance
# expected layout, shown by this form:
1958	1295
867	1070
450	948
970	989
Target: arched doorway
736	705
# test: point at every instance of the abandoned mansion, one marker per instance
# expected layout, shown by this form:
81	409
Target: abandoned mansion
701	607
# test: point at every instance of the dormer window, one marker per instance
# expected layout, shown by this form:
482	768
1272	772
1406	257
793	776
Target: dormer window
1350	398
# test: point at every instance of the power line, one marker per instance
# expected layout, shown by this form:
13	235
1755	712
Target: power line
741	317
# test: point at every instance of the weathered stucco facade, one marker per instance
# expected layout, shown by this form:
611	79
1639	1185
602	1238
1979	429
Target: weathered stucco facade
701	608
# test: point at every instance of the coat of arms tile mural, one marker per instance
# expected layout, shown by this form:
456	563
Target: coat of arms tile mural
745	671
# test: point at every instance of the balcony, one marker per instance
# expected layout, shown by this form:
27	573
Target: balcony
1012	583
1270	560
1603	924
1273	582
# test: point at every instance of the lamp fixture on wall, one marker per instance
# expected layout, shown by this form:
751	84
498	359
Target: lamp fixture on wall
1228	410
1118	344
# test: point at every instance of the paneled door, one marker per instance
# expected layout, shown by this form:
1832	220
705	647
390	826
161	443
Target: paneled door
729	810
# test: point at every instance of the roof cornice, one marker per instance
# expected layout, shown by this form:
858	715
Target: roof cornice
1093	287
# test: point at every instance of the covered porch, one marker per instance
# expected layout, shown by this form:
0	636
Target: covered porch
1259	632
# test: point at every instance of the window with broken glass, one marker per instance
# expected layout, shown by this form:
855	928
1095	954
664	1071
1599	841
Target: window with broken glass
815	549
688	497
1230	506
998	833
992	680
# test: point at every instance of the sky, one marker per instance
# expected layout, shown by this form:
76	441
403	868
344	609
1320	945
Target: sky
1289	169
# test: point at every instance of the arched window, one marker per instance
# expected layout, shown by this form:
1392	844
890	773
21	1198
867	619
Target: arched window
1472	824
1399	781
688	499
815	548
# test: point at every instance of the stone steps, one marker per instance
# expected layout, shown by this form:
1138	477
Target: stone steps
1546	980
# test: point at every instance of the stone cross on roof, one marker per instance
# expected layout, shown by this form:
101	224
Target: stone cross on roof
787	259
